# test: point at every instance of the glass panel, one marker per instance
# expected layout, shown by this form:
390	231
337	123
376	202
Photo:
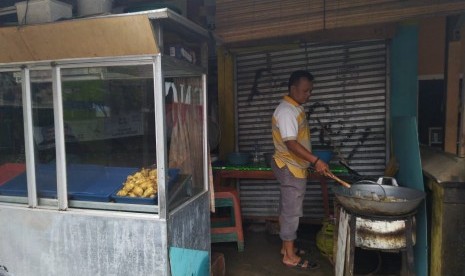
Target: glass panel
12	153
184	120
110	132
44	132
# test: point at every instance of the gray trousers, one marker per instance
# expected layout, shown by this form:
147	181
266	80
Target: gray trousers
290	201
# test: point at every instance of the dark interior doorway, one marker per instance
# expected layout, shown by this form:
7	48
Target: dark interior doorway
431	112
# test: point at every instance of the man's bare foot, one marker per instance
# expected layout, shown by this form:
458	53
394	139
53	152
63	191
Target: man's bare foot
300	263
297	251
297	262
289	257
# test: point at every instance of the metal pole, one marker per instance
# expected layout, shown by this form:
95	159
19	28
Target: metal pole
206	149
160	134
62	190
29	138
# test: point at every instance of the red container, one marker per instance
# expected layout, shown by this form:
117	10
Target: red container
9	171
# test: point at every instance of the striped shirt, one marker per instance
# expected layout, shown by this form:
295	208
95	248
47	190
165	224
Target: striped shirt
289	122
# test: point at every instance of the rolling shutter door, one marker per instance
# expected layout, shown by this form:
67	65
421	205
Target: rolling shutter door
348	100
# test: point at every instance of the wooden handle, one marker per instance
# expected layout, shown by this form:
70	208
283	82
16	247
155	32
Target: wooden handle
340	181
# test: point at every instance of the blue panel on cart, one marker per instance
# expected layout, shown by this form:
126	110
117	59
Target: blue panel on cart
15	187
102	186
85	182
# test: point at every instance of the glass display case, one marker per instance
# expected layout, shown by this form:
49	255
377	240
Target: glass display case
114	126
107	109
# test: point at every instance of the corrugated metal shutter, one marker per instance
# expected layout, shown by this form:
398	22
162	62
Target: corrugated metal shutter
349	99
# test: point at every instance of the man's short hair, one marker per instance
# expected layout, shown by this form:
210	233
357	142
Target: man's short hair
296	76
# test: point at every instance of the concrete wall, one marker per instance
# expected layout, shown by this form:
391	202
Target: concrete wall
49	242
404	95
404	71
189	227
189	238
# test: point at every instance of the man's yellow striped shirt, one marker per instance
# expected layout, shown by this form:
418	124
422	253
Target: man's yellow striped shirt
289	122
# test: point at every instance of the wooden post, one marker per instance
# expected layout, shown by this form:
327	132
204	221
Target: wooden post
452	97
461	145
226	102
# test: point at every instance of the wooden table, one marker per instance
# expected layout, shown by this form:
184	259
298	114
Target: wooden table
225	173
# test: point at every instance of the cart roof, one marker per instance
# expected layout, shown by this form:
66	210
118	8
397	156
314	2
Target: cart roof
105	36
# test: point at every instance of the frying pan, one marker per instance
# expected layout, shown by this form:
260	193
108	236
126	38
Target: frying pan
373	198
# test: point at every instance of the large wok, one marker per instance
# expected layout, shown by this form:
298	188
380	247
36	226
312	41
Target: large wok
372	198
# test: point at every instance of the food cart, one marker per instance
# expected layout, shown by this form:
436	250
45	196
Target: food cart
96	112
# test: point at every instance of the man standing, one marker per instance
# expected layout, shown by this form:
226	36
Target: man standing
293	156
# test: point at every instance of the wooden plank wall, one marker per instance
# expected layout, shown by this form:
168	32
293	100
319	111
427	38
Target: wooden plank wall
431	47
247	20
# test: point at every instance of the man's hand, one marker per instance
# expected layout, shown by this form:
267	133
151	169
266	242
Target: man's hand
322	168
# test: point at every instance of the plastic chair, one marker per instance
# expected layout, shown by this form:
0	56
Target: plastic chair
228	229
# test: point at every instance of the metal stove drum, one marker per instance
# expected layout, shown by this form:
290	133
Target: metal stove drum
371	223
384	233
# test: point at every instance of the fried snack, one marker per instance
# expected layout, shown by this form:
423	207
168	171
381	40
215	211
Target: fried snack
122	192
142	183
138	191
128	186
148	192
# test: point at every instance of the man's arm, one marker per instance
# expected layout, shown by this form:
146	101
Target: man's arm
300	151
